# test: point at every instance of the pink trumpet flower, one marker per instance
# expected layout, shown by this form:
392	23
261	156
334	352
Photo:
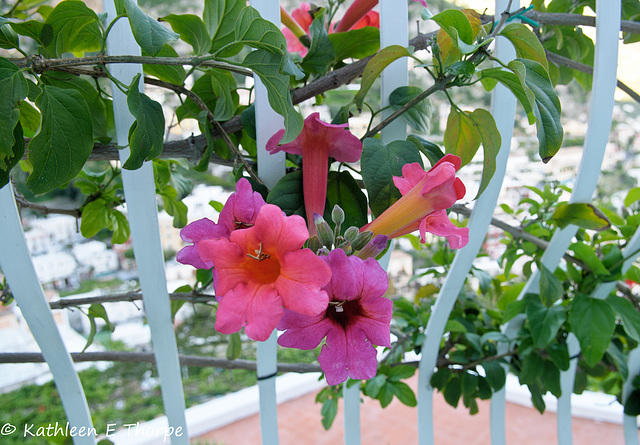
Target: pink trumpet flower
239	212
318	142
357	10
425	197
263	268
357	318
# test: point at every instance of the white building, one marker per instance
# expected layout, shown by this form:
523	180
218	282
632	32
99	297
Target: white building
56	268
96	256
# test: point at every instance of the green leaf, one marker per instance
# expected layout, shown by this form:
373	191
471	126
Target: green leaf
462	68
169	73
64	141
234	348
288	195
440	378
8	37
95	216
592	322
456	24
220	18
551	289
150	34
462	136
40	32
328	412
491	142
588	256
532	367
633	195
525	42
453	390
15	157
192	30
321	54
582	215
559	355
265	65
431	151
344	191
401	372
13	88
417	116
251	29
496	375
355	44
120	227
75	28
88	91
632	404
146	133
380	163
544	322
375	66
217	90
511	81
628	314
385	396
544	103
404	393
550	377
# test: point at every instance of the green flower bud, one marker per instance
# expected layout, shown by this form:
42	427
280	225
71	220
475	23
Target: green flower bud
323	229
362	240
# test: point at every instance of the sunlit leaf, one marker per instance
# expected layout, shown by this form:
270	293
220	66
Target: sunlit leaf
75	28
525	42
356	44
582	215
462	136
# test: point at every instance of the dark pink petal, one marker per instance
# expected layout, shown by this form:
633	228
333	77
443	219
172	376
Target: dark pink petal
375	281
242	207
333	357
439	224
412	174
196	232
346	276
422	2
294	45
371	19
278	233
302	331
228	259
302	16
362	360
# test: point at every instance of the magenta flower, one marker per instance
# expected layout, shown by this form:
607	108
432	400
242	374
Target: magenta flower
239	212
357	318
425	197
263	268
317	143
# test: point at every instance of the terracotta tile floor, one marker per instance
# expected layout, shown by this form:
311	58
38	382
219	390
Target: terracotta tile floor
299	422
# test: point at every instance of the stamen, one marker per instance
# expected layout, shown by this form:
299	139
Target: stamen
259	256
338	305
242	224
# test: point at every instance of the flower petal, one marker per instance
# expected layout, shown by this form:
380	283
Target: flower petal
196	232
302	331
302	277
258	308
346	275
242	207
439	224
333	357
362	360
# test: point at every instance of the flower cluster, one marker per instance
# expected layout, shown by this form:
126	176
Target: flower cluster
333	289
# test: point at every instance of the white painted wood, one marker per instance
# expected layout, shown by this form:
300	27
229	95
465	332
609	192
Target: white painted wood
15	262
351	414
270	169
503	109
139	190
630	423
393	31
567	380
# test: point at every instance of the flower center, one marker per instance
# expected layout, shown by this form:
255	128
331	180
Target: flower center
344	312
264	268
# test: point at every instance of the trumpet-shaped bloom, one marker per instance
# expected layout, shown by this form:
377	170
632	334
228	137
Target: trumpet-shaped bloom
317	142
263	268
425	197
357	318
297	26
240	211
358	10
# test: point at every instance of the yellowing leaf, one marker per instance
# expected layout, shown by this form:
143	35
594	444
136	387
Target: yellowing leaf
449	53
461	137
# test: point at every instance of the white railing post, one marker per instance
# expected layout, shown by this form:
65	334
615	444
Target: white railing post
15	261
598	128
140	195
270	169
503	109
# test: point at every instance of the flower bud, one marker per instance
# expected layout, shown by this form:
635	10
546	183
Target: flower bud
323	230
374	247
362	240
351	234
337	215
314	244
